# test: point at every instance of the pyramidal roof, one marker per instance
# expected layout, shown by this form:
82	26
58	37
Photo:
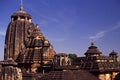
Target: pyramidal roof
113	53
93	50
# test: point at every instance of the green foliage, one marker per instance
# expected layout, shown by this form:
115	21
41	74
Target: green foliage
72	56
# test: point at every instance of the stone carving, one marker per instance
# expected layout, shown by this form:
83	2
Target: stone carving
10	71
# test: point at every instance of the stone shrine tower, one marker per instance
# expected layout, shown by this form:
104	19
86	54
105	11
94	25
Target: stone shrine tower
25	43
18	31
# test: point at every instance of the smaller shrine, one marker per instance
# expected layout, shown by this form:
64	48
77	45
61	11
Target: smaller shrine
10	71
62	59
104	67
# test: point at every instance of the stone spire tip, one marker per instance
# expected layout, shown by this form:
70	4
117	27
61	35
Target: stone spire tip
21	5
92	43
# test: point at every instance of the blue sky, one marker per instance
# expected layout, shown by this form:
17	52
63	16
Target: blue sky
70	25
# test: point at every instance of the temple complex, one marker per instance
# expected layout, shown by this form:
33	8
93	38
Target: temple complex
28	55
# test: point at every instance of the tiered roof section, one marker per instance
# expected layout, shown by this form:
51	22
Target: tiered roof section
95	62
93	51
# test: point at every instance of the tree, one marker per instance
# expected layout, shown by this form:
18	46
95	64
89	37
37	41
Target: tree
72	56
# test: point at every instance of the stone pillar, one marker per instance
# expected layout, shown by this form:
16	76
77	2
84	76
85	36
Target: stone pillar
11	73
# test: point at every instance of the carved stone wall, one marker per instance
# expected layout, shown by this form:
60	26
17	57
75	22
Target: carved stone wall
107	76
10	73
16	35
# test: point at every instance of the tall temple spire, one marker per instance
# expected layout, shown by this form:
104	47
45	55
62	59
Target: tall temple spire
21	5
17	33
25	43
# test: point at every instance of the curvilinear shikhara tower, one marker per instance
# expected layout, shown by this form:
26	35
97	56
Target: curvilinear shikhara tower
25	43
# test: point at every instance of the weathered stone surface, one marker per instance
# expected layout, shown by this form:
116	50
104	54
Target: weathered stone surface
69	75
10	73
16	35
32	76
105	67
38	51
93	51
62	59
25	43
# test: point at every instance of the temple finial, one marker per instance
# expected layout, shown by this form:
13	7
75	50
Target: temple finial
21	5
113	50
92	43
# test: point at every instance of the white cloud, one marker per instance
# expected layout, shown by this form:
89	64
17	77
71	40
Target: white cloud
2	33
117	26
98	35
102	33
